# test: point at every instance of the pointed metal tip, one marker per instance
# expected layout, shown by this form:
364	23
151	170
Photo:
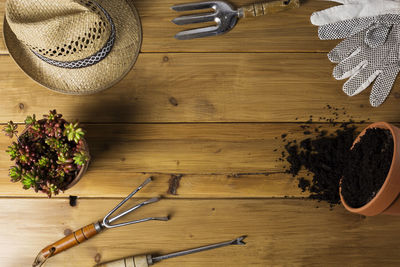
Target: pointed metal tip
239	240
151	200
162	218
148	180
175	21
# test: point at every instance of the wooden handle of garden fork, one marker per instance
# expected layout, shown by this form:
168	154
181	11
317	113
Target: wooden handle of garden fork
134	261
263	8
67	242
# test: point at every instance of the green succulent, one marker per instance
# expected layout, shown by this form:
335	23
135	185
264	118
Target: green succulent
43	161
81	158
13	151
63	159
23	158
10	129
53	189
73	132
16	173
30	120
29	180
57	145
52	115
61	174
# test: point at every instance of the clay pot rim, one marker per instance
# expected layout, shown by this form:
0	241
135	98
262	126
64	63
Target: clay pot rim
82	171
377	204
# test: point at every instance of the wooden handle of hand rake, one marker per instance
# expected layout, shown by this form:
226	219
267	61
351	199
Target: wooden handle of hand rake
264	8
134	261
67	242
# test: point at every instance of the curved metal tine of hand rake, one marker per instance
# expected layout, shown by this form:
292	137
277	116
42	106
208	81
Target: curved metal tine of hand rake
107	220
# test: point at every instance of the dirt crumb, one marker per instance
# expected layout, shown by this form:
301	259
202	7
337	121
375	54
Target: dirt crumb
174	184
73	200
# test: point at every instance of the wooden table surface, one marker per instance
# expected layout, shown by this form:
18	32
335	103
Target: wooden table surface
208	110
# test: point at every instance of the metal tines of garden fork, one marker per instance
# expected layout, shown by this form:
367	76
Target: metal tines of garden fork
224	15
108	219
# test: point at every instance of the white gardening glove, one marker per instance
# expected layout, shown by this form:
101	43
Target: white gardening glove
355	9
370	53
376	29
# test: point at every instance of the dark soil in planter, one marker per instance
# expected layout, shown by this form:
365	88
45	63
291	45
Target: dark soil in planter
367	166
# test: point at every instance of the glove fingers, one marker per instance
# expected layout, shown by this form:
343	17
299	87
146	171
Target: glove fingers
343	29
390	16
345	48
350	65
382	86
332	15
358	82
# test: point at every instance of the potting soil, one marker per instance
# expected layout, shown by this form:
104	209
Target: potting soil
367	166
323	155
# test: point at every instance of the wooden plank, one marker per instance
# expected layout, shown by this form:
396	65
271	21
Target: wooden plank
117	184
289	31
216	160
201	88
279	233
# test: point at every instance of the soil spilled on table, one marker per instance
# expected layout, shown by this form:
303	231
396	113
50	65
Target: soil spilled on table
322	154
367	167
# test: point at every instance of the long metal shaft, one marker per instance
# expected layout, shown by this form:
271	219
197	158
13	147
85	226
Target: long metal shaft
237	241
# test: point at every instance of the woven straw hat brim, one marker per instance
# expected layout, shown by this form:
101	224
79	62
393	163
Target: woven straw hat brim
92	79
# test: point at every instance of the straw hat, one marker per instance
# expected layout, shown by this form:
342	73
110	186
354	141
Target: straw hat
73	46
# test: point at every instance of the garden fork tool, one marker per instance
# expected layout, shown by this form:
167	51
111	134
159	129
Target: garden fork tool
146	260
224	15
91	230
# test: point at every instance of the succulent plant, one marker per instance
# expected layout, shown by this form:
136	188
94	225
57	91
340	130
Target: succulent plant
80	158
48	154
16	173
10	129
73	132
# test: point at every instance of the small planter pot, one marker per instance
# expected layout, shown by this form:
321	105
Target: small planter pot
387	200
84	168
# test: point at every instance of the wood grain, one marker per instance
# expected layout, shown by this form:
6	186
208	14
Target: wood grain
211	110
279	233
201	88
216	160
148	150
289	31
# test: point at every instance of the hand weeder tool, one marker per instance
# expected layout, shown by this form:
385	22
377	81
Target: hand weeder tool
91	230
224	15
146	260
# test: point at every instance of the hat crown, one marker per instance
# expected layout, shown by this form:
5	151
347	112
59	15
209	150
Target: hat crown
61	30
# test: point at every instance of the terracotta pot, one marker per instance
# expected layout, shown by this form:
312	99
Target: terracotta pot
387	200
84	168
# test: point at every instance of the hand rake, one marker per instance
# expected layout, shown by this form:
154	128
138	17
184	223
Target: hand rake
91	230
